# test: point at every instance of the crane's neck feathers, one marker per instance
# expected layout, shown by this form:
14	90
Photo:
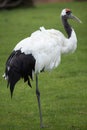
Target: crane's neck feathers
70	44
67	27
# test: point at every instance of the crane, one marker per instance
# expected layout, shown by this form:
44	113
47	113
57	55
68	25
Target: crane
40	52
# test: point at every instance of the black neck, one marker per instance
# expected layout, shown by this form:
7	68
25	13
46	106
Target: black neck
67	26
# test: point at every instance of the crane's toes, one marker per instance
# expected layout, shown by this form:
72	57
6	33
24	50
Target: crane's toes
43	126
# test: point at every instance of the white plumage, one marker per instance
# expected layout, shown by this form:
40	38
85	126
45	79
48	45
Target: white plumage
47	46
40	52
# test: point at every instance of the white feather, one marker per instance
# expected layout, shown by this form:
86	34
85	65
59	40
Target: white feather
46	46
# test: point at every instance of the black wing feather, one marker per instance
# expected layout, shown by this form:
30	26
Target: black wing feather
19	65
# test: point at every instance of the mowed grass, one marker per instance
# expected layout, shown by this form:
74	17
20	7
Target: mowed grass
63	91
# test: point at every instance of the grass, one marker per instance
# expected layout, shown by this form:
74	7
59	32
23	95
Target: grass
63	91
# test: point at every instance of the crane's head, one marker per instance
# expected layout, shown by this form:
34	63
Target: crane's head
67	14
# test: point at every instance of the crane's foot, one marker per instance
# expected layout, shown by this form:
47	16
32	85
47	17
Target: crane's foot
43	126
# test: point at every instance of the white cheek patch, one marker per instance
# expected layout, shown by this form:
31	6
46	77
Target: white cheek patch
63	12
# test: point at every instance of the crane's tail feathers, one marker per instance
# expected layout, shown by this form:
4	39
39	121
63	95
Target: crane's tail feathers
19	65
12	80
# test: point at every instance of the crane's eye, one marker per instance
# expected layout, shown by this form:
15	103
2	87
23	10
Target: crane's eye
68	12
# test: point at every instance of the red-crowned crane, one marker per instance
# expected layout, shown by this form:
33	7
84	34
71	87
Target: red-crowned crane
40	52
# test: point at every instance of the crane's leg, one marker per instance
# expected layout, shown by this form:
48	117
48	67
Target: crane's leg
39	104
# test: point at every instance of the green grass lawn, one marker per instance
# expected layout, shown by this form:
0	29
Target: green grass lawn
63	91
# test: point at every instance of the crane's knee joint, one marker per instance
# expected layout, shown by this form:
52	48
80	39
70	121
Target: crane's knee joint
37	93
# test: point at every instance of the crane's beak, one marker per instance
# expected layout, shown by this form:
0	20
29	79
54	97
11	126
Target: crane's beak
75	18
